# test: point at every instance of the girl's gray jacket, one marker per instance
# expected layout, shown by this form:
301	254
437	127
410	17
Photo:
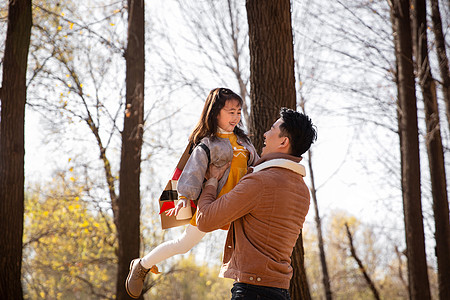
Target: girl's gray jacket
190	182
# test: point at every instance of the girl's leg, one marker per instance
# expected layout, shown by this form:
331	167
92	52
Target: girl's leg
190	237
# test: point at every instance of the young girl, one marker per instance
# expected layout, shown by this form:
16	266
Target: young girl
218	129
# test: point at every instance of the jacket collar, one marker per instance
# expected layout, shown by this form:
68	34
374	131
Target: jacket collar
277	155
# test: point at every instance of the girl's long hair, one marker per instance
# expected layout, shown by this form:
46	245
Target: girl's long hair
207	125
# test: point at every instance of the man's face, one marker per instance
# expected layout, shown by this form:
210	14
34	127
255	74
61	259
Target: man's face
272	139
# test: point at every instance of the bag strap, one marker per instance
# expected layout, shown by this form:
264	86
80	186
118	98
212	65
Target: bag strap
208	153
205	148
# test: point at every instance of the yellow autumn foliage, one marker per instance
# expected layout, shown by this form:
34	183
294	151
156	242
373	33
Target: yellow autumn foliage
69	248
187	279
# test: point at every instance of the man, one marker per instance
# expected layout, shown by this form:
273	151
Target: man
266	210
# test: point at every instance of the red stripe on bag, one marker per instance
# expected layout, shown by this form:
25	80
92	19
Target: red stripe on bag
176	174
167	205
193	204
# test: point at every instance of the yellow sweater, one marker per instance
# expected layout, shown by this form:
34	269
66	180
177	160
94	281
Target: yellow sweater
238	167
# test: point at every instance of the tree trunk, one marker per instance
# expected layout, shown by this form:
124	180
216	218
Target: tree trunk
441	54
434	149
409	151
299	288
272	86
323	261
318	221
129	194
272	81
12	152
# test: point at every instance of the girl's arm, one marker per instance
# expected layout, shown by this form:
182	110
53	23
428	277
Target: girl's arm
191	180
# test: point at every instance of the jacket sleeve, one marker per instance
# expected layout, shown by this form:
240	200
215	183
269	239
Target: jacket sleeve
191	179
243	198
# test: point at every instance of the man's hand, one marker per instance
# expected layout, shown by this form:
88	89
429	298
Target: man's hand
216	172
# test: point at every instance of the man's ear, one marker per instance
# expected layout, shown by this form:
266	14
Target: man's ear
285	144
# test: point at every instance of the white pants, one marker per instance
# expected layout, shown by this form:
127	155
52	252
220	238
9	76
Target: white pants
190	237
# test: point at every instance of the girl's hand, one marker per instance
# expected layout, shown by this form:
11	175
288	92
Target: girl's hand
174	211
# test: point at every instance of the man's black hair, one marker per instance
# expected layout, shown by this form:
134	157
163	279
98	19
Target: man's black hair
299	129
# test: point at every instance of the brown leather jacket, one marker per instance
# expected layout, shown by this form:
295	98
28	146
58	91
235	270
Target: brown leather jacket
266	209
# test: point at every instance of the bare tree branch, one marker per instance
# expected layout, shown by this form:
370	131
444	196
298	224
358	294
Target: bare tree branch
360	264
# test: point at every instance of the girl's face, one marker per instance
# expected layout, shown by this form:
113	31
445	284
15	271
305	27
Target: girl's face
230	115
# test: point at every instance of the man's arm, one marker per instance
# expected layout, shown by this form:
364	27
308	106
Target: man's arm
213	214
